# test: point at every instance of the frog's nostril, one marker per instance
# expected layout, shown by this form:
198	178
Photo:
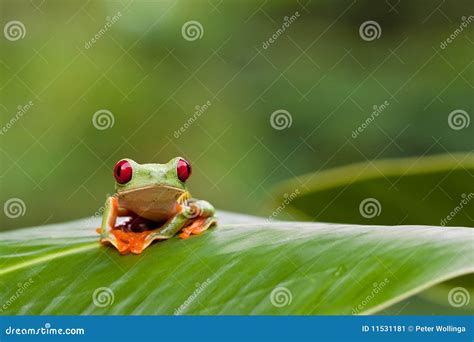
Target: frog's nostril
123	172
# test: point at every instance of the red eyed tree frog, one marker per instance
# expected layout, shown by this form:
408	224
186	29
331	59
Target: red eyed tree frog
155	198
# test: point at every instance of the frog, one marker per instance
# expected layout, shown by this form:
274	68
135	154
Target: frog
157	203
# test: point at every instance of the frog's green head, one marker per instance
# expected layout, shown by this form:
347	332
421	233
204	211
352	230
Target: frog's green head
130	176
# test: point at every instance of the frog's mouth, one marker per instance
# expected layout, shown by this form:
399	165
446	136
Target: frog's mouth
153	187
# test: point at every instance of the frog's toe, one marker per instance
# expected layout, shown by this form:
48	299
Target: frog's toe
197	227
134	242
123	248
119	245
137	248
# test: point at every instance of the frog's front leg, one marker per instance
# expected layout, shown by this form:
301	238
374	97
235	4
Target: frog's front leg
109	218
195	214
203	217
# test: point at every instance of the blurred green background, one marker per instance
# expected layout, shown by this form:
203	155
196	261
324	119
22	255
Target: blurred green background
143	71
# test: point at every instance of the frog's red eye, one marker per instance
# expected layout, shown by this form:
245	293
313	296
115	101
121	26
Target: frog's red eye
184	170
123	172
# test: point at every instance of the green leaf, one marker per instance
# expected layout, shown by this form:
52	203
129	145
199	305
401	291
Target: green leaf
240	267
437	190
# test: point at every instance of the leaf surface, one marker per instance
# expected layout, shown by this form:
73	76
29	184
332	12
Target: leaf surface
246	265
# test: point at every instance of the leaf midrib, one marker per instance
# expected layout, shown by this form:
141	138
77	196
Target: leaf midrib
51	256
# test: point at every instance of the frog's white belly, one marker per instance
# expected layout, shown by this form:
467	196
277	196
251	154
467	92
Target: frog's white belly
157	203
